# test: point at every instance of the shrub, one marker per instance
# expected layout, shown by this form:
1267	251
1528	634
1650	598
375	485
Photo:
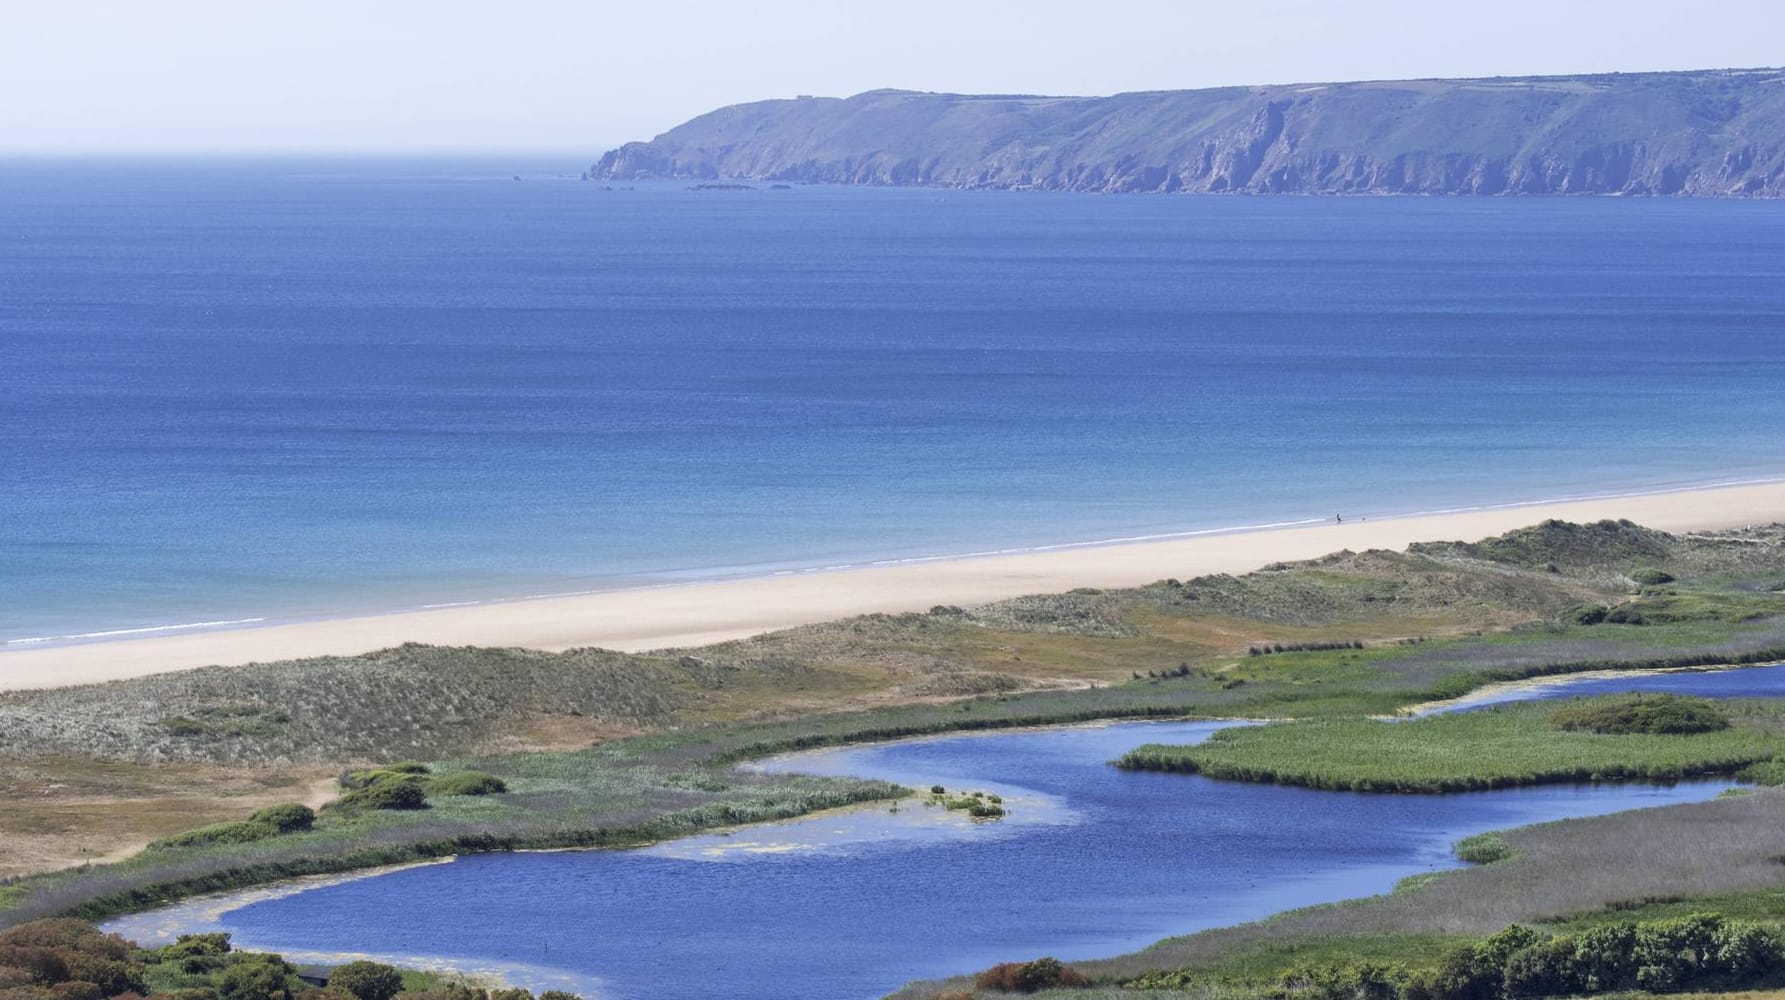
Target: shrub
1767	772
1584	614
262	977
1673	953
1655	714
1604	958
1650	577
68	935
1028	977
367	980
289	817
239	832
76	989
1354	981
1747	951
397	792
1544	969
1484	849
468	783
195	944
1478	971
43	965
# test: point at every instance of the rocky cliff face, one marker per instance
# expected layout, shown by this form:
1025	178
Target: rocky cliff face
1709	133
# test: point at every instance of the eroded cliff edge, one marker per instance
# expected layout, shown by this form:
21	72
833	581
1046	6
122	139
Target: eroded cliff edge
1712	133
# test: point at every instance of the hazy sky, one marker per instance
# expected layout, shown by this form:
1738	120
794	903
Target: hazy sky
325	75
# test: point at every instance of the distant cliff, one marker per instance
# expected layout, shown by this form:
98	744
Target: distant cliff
1705	133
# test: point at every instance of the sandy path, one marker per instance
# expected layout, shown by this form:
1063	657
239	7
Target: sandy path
702	613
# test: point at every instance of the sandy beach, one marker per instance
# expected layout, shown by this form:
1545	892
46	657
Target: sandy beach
701	613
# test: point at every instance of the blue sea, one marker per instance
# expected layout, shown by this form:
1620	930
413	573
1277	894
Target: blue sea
269	389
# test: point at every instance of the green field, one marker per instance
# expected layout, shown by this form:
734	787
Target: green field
1498	747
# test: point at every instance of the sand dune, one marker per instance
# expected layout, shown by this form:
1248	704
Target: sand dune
710	612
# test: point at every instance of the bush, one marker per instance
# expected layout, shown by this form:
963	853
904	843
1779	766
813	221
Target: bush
261	977
240	832
367	980
1650	577
1746	952
1699	951
1483	849
395	792
1354	981
1478	971
1544	969
195	944
66	960
1028	977
1604	958
1584	614
1625	615
1767	772
468	783
1655	714
289	817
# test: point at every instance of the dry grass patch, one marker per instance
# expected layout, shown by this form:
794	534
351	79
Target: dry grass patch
62	812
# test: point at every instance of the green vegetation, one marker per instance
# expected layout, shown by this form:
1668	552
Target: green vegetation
367	980
1484	849
468	783
291	817
1563	878
602	749
1655	714
1030	977
1698	951
391	792
1498	747
71	960
1767	772
978	805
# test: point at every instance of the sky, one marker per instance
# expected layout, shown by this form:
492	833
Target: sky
330	76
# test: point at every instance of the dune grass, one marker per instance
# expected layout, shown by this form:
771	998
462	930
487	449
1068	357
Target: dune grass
1498	747
1171	649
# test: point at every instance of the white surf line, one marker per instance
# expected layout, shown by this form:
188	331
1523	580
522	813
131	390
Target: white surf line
113	633
922	559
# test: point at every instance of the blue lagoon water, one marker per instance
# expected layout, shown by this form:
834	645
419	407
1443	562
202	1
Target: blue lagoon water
1091	862
233	390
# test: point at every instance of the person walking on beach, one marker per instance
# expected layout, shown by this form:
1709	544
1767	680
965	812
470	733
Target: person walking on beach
1338	520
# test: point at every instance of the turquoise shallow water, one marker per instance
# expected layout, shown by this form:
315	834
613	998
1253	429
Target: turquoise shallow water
1092	861
264	389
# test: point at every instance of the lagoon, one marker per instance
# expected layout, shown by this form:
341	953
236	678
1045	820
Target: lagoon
1092	861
